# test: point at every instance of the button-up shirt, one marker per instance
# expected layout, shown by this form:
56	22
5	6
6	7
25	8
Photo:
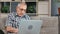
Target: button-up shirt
13	20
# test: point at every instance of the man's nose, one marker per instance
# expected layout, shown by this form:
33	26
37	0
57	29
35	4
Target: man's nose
22	11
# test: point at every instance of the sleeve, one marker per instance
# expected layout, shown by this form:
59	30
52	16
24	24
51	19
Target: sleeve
27	17
9	21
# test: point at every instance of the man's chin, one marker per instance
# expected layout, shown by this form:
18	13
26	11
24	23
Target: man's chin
21	14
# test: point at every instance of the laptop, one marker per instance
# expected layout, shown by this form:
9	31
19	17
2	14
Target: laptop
30	27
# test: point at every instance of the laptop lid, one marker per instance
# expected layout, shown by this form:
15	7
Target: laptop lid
30	26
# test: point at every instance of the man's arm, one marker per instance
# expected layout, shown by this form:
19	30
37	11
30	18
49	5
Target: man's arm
11	29
8	25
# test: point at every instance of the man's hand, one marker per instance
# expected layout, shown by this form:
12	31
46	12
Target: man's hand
15	30
11	29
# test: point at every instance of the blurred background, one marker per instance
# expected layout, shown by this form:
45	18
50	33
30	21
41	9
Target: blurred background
46	10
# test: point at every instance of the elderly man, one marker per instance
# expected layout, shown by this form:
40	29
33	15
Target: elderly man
13	21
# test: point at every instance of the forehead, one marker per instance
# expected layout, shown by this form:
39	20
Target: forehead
22	6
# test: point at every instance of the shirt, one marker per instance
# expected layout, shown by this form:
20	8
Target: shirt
13	20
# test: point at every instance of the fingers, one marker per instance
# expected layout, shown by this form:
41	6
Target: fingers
15	30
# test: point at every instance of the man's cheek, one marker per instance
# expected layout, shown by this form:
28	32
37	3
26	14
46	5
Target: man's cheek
24	12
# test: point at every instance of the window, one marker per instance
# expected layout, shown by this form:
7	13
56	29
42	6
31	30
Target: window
5	6
31	7
13	6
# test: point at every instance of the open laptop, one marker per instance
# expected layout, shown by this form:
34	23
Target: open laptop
30	26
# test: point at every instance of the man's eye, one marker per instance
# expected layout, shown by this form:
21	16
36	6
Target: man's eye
21	9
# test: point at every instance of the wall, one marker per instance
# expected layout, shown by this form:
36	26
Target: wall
43	8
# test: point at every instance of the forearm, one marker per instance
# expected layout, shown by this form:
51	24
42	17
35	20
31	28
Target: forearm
11	29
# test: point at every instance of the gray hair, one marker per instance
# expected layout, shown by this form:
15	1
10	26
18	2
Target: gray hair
22	4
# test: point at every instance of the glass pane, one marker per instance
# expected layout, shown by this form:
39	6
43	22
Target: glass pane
13	6
31	7
5	6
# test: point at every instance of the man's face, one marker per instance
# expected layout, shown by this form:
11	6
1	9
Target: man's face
21	10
